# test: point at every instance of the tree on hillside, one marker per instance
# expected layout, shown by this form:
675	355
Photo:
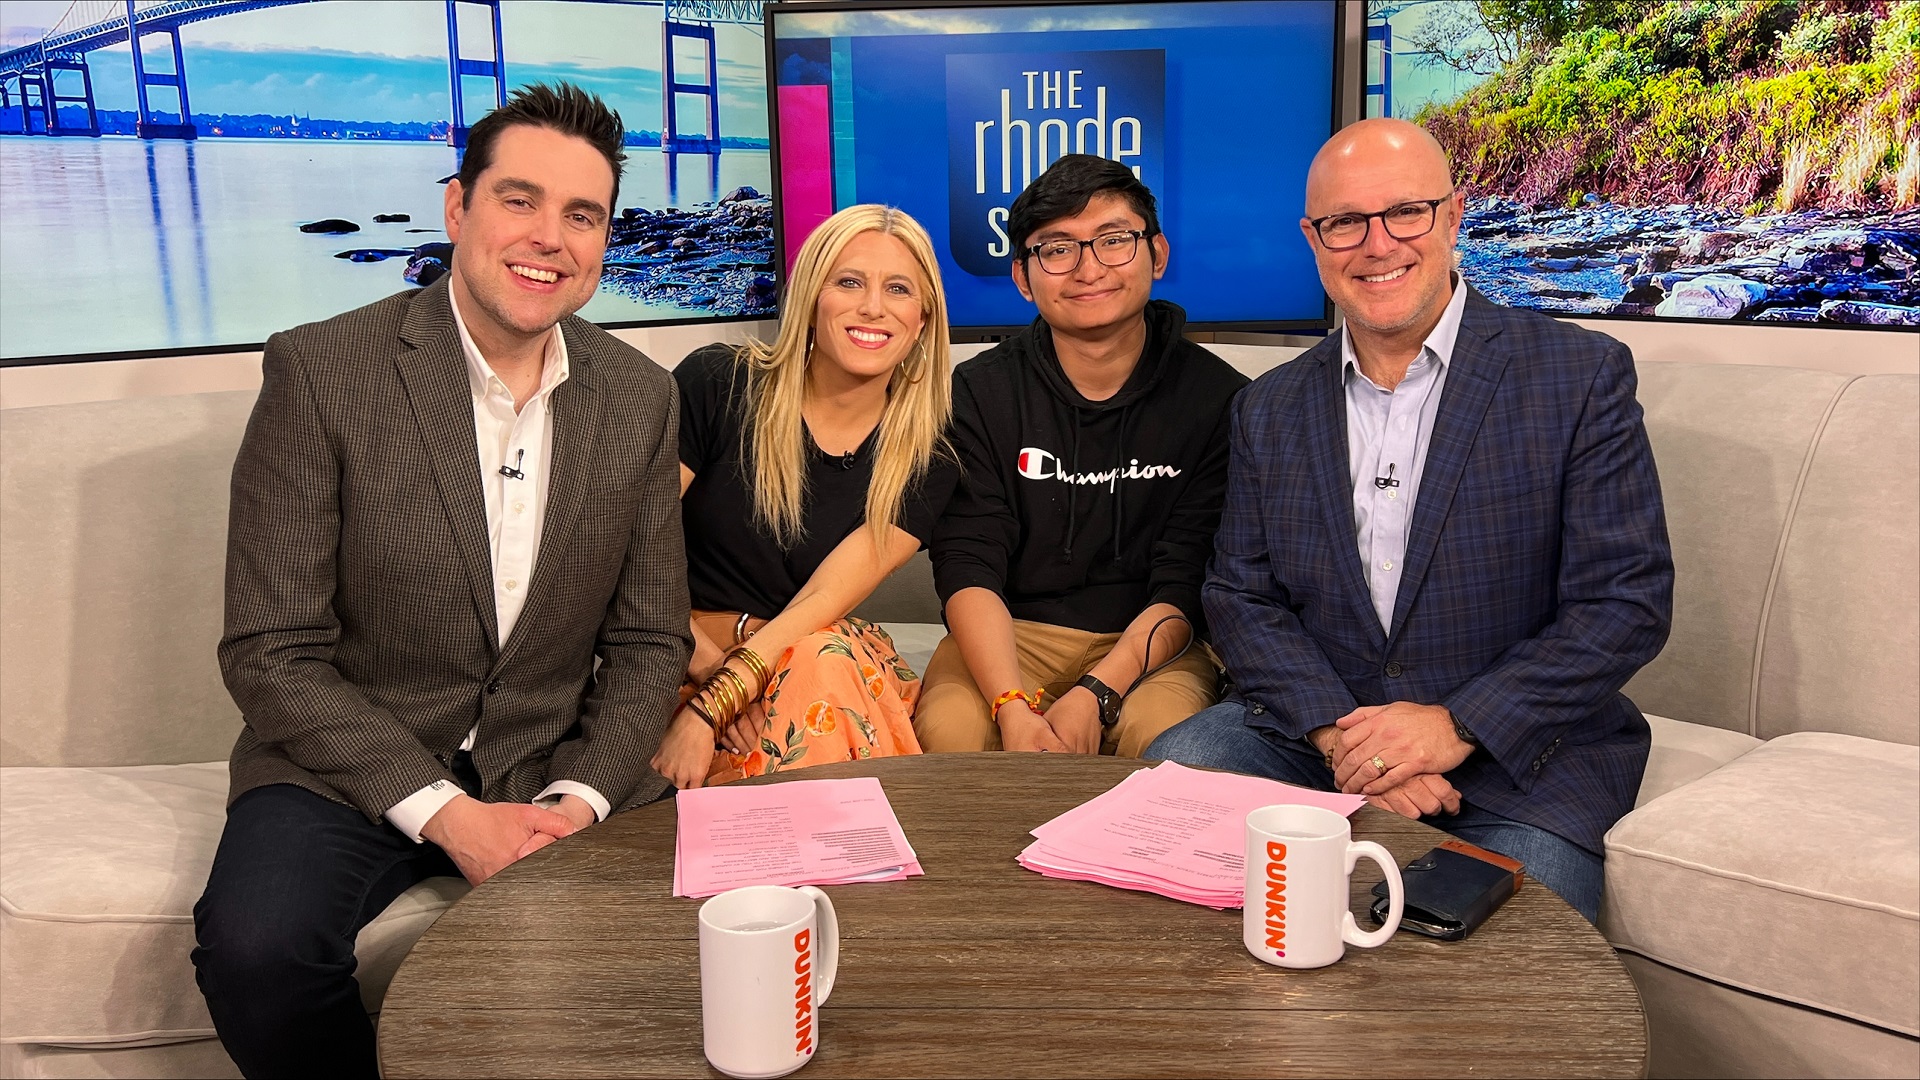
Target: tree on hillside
1482	36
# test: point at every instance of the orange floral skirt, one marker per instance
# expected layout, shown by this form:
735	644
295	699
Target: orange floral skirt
841	694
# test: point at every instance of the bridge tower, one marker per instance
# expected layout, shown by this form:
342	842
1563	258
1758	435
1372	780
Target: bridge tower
33	99
146	127
672	141
51	99
1382	33
459	66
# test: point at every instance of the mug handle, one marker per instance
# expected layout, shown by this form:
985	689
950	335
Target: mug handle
827	962
1396	893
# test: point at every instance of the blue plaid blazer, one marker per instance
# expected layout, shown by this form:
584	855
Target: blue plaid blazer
1537	577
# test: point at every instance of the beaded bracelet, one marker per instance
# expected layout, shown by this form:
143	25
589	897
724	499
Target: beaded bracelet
1032	700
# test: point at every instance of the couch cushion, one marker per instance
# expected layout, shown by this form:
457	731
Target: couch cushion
1843	626
99	871
113	544
916	642
1683	753
1793	872
1718	466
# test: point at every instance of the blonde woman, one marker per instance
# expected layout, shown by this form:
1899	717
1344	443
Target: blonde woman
810	470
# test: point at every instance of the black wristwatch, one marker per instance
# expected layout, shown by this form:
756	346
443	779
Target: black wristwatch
1460	731
1105	695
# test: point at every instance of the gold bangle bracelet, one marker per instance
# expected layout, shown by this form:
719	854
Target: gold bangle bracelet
728	692
754	663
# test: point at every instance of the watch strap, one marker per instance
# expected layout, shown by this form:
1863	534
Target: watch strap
1104	694
1460	731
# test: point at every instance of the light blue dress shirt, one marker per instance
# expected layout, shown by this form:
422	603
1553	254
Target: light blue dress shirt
1387	436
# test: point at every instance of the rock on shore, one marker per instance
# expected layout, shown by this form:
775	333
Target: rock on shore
716	257
1696	262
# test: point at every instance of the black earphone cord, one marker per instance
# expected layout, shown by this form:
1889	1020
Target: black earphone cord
1169	661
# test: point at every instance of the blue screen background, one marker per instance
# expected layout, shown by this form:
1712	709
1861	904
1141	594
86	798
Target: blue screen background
1248	102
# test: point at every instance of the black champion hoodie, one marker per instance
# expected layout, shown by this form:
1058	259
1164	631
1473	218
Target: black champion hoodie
1082	513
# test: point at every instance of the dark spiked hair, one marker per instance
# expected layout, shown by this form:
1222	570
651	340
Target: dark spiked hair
561	107
1066	188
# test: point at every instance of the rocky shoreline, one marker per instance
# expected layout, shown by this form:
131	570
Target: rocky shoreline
714	257
1696	262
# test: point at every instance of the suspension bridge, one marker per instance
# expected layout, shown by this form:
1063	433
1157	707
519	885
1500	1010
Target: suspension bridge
31	75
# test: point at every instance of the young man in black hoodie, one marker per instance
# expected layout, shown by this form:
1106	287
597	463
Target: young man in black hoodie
1093	448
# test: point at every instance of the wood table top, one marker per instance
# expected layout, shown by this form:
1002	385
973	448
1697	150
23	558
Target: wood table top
578	961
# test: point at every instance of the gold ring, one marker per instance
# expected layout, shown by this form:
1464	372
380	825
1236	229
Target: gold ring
1379	766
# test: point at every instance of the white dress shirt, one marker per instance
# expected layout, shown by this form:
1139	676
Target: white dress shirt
1387	436
522	440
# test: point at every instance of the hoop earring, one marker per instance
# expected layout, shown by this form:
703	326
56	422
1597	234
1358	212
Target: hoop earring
918	363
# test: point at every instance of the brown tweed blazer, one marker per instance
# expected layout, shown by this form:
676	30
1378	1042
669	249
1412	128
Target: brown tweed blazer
361	643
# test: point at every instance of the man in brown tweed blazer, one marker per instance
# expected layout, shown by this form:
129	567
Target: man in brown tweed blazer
448	506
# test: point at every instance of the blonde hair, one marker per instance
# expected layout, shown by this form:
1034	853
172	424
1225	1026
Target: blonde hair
919	392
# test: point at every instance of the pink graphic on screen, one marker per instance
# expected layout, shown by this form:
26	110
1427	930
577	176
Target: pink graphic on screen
806	163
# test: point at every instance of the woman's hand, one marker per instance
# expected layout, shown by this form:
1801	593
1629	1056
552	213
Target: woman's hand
742	736
686	754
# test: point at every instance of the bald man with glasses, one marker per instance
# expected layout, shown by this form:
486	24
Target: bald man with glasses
1444	550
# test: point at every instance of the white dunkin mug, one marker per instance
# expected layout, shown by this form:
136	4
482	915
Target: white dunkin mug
1298	861
768	955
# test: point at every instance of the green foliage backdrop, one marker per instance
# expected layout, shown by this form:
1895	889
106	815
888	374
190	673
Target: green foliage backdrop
1757	105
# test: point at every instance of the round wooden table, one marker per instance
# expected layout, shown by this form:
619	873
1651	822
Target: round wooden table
578	961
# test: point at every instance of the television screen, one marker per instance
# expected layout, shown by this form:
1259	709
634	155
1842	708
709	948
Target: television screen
948	110
1757	161
303	179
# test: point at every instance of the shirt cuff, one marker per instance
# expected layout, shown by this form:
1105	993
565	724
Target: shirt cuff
412	813
547	798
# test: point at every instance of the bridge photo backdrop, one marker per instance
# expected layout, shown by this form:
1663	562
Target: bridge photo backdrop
1755	160
263	163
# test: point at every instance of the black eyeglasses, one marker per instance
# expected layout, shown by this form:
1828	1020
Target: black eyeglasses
1405	221
1110	249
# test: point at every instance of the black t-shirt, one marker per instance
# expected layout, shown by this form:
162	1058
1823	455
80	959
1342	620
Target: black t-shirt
733	564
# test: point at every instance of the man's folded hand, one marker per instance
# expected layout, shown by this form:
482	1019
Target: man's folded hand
485	838
1421	795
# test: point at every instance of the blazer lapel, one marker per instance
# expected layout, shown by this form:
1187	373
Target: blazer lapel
435	375
1472	376
1326	435
575	408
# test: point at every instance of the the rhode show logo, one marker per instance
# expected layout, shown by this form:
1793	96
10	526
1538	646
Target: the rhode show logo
1010	115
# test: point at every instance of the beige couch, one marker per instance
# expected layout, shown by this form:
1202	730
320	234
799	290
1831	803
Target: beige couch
1765	893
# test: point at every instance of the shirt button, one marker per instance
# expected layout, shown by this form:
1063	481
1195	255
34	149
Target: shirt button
519	507
1392	494
512	585
1393	669
1388	565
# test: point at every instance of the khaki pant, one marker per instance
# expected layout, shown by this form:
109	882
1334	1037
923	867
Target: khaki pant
952	714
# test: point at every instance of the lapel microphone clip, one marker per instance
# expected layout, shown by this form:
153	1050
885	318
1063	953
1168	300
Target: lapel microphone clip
512	472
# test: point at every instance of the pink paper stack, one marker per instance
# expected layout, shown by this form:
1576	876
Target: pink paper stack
803	832
1170	830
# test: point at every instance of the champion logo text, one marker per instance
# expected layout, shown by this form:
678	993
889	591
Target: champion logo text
1037	464
1277	897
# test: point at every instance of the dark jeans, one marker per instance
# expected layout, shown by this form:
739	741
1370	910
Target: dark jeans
294	880
1219	738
